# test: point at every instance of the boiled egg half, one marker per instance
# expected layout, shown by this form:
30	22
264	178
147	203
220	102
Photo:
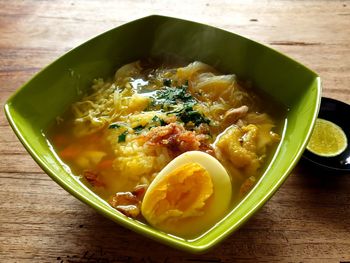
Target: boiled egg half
189	196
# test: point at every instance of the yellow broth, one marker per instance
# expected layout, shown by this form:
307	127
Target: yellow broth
112	138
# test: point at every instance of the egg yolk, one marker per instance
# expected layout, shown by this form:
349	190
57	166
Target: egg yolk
181	194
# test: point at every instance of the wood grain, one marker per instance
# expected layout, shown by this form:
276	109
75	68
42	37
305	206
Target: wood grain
307	220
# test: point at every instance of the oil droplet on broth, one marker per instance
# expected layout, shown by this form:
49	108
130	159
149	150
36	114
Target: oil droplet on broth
327	139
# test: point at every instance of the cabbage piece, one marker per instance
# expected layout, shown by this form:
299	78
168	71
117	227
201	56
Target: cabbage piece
191	71
129	70
215	87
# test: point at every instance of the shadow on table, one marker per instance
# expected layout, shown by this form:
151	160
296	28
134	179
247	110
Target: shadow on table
329	193
264	238
105	241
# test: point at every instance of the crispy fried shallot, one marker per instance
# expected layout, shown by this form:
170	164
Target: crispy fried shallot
176	138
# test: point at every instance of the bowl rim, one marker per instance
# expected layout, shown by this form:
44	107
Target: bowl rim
172	241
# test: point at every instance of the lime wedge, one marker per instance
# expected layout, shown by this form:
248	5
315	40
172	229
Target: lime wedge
327	139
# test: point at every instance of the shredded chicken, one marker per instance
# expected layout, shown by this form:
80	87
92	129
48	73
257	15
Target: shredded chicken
234	114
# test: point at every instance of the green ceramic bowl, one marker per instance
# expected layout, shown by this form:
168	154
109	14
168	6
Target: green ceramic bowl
35	105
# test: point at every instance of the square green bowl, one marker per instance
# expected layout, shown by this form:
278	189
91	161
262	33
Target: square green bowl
37	103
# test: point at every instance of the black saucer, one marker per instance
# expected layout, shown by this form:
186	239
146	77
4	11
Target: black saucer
339	113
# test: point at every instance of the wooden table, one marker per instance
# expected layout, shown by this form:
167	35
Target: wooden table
307	220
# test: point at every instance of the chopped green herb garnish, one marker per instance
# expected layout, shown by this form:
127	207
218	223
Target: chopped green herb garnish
187	114
113	126
117	125
167	82
122	137
138	129
177	101
157	119
170	96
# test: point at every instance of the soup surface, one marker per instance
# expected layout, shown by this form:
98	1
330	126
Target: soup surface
121	136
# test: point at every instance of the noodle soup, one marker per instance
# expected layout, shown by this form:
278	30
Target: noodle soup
175	147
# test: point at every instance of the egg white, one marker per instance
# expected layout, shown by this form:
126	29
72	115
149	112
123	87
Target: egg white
216	206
